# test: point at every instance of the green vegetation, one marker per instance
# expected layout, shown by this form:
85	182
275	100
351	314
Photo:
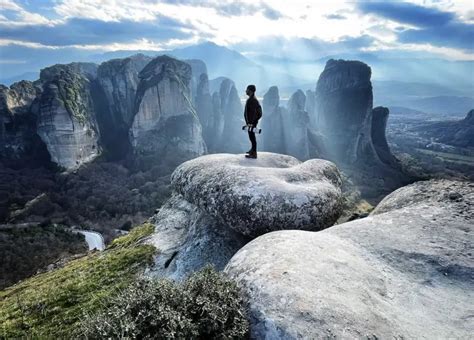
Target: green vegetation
206	306
449	157
72	92
52	304
104	295
25	249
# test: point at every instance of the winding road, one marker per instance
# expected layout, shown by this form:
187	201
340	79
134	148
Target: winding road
94	240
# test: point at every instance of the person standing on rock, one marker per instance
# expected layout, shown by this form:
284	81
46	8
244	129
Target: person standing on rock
252	113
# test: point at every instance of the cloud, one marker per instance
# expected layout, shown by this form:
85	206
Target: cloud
407	13
455	34
335	17
431	25
78	31
304	49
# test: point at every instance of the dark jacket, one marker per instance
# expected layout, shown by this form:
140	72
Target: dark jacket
253	111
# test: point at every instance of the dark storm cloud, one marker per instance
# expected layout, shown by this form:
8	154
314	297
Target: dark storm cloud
433	26
78	31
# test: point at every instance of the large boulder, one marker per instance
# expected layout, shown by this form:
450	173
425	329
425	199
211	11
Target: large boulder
220	202
188	239
406	271
270	193
165	127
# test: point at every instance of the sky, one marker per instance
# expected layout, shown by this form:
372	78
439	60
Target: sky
56	30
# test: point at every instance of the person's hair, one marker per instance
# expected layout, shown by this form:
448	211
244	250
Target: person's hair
252	88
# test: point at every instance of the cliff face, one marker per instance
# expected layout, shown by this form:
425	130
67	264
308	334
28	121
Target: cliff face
66	117
18	136
379	125
228	117
204	108
76	111
115	99
272	122
344	109
296	125
165	127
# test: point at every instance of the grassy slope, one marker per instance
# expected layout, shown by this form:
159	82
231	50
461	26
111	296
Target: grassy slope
52	304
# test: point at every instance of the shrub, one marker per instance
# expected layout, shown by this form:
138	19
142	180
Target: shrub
206	306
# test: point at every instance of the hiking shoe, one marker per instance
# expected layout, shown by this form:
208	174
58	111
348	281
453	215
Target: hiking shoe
251	155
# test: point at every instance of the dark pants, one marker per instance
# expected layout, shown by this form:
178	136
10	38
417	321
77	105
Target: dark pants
253	140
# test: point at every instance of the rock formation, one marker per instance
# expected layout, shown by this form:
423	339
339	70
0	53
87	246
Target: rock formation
346	129
273	137
198	68
310	107
344	108
18	138
165	127
296	125
229	106
379	125
406	271
66	117
115	100
204	109
222	201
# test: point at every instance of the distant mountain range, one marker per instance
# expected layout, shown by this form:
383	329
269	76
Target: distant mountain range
427	94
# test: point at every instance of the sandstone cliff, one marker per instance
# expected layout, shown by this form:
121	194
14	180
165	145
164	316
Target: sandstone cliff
165	126
67	121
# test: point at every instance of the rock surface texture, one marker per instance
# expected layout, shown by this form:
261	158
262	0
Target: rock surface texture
166	127
406	271
115	98
66	117
222	201
344	109
18	136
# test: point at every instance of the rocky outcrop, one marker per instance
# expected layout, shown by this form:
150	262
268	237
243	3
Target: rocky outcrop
346	129
198	68
344	108
204	108
296	125
310	107
18	138
379	125
229	106
188	239
406	271
272	122
66	117
165	127
222	201
114	98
